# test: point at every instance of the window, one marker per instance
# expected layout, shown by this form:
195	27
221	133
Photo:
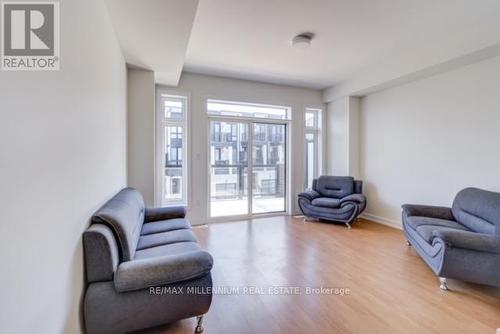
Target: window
248	158
218	154
216	132
311	118
173	137
238	109
171	144
312	122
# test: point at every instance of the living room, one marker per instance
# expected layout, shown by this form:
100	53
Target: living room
180	166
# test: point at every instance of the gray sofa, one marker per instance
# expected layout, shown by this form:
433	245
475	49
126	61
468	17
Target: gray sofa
462	242
334	198
144	267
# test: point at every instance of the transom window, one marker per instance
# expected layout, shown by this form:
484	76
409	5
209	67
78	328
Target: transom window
311	118
238	109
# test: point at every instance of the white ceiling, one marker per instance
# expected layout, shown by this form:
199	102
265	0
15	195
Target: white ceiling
154	34
358	44
251	39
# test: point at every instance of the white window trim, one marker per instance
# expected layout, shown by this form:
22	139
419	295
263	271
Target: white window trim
288	110
161	122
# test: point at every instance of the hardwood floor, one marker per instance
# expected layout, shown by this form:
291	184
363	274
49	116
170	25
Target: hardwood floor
391	289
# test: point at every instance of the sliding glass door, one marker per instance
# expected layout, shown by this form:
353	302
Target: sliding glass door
228	168
243	154
268	168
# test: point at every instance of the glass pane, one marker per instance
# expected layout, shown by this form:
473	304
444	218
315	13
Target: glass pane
269	169
228	168
226	108
173	164
173	107
310	119
310	159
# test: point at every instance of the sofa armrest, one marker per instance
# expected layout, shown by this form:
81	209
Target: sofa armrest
469	240
309	194
439	212
162	270
356	198
169	212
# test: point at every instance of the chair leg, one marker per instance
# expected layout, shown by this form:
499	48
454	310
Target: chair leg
199	324
348	226
443	284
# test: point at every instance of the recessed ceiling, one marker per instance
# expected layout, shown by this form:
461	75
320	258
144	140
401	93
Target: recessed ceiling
252	39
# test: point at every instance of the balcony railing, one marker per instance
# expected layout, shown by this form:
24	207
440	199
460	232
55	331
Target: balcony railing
231	180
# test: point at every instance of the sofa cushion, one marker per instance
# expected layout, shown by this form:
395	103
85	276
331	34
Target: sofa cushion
165	226
165	238
478	209
168	249
326	202
335	186
124	214
164	213
425	226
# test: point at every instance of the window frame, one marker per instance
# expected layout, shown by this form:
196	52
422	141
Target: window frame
287	109
160	147
316	131
290	184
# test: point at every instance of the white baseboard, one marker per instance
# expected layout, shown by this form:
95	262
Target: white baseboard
384	221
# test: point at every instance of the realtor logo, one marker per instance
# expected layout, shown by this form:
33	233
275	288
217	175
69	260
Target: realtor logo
30	39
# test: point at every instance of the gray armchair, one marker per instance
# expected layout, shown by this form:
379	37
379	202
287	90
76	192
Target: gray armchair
334	198
144	267
462	242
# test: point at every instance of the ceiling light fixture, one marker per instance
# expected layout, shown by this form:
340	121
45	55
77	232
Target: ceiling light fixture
302	41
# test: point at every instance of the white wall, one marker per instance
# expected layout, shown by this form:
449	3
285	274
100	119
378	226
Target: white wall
424	141
337	131
62	154
342	143
200	87
354	114
141	132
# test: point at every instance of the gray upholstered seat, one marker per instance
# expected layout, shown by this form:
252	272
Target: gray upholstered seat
130	250
461	242
326	202
173	249
165	238
424	226
334	198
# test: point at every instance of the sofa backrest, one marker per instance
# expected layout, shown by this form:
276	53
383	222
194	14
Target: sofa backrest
358	187
478	209
124	215
335	186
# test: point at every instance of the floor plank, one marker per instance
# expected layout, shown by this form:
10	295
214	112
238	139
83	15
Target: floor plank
391	288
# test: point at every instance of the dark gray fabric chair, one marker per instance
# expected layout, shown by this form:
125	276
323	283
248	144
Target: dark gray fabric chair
334	198
462	242
144	267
